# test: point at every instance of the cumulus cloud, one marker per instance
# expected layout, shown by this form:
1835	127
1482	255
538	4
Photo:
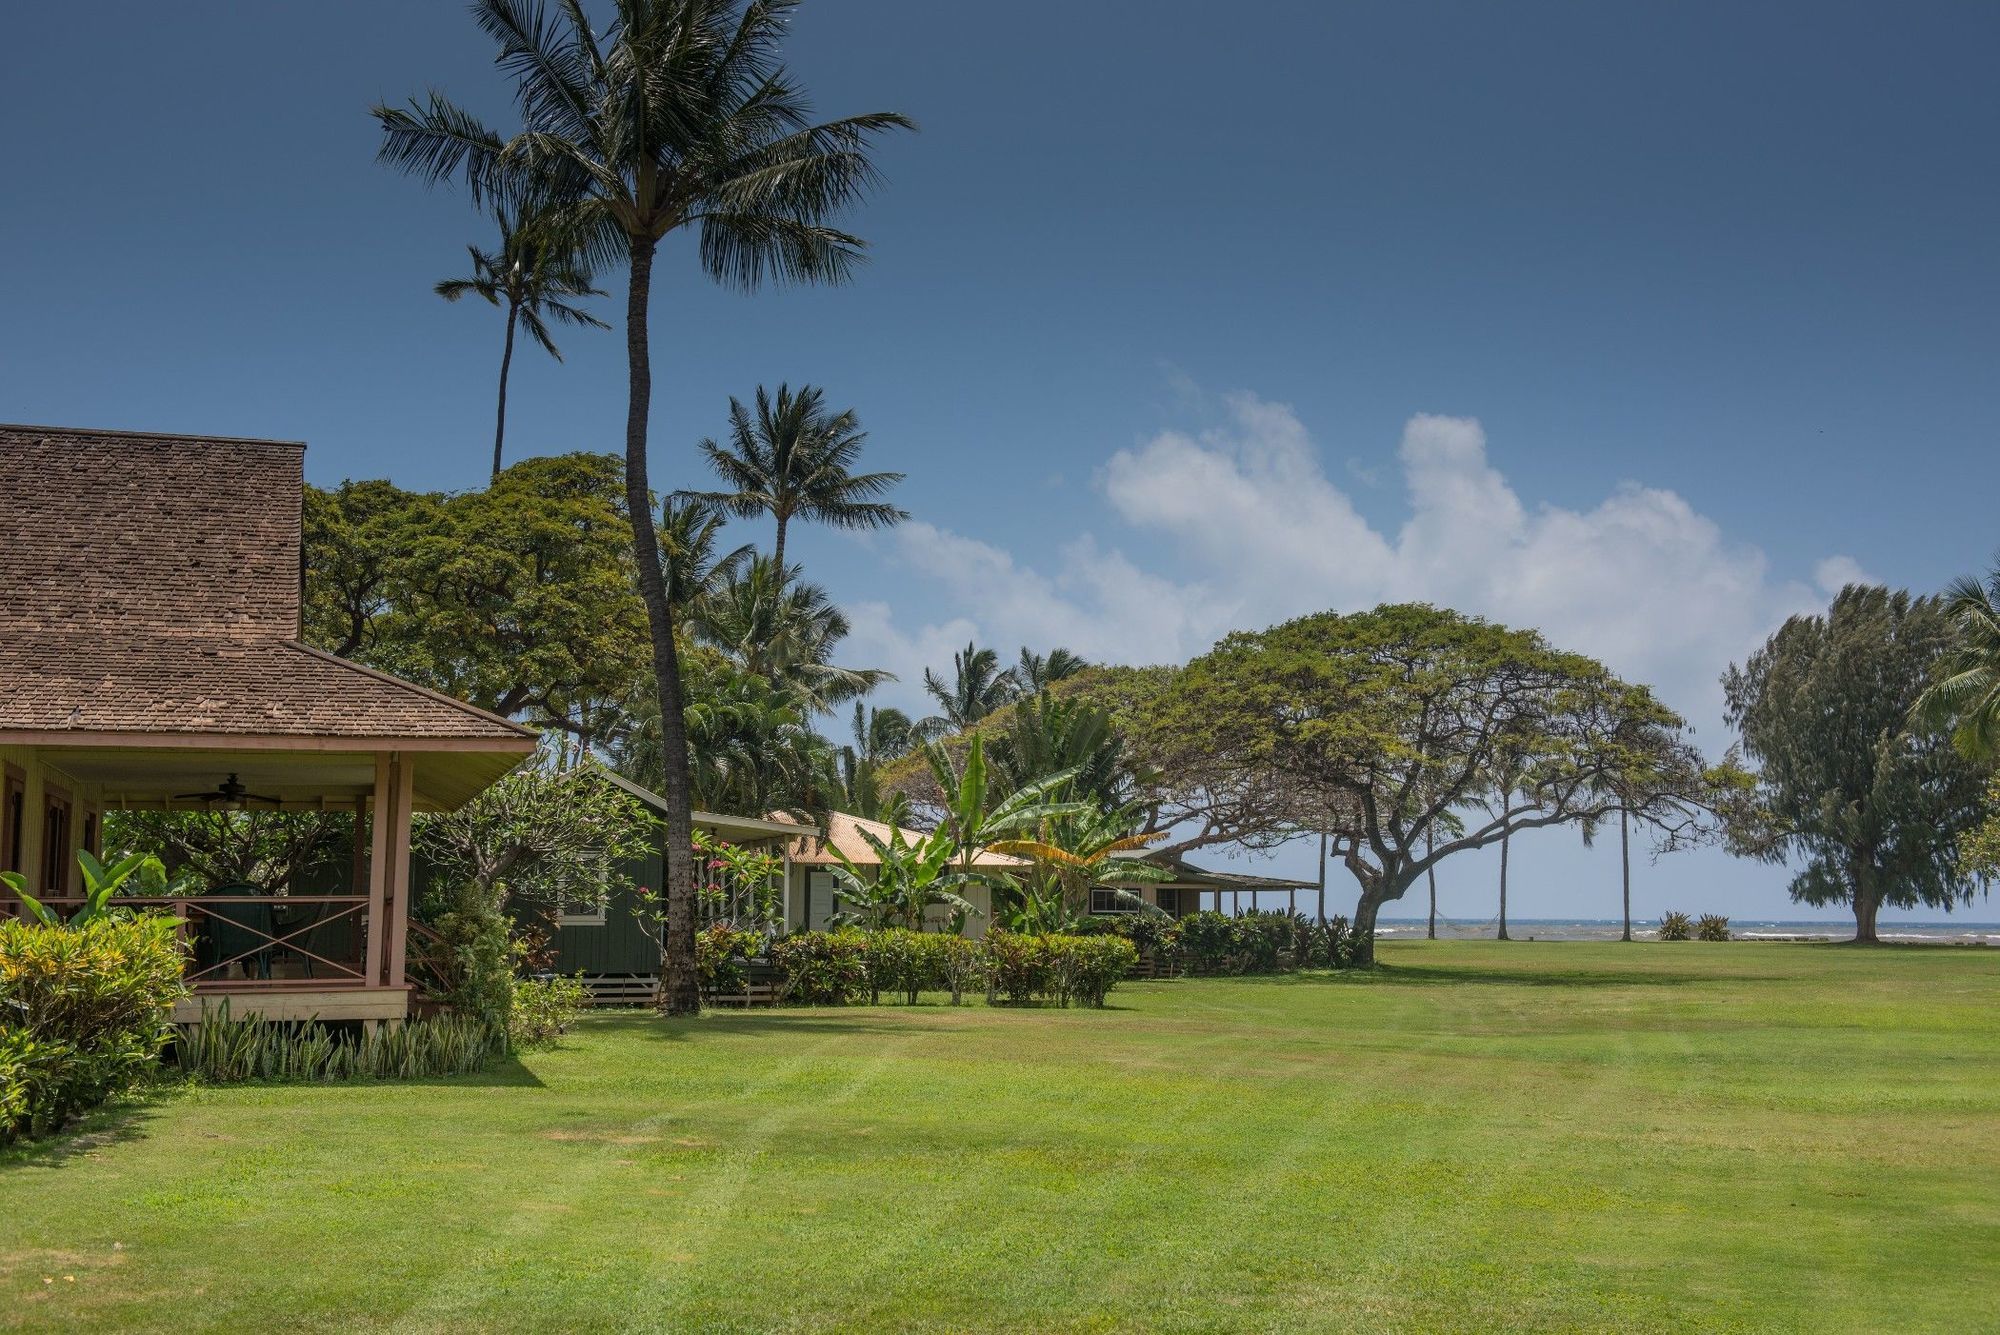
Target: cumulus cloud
1640	579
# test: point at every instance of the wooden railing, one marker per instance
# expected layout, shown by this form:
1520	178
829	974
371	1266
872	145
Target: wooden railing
242	943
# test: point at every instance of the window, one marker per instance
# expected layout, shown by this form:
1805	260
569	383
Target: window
1169	899
57	858
582	910
1103	900
13	818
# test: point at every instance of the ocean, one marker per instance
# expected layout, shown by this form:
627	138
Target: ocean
1744	929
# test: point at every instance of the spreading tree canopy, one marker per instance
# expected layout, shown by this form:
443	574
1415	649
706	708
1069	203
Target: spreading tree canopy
1378	728
1871	796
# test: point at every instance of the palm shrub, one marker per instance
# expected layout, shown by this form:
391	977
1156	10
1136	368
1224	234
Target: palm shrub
1675	926
821	968
1711	927
84	1013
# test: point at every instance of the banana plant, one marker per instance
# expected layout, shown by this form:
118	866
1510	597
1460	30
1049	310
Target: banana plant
100	883
910	879
969	825
1075	854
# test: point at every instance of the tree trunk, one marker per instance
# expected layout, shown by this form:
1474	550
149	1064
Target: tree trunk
778	550
1504	840
1625	866
1431	875
680	993
506	361
1866	904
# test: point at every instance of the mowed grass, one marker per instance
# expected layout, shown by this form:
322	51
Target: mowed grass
1476	1137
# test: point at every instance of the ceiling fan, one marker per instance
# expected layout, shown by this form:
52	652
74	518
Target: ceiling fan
231	793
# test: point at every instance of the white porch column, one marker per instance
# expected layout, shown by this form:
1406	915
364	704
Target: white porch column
379	823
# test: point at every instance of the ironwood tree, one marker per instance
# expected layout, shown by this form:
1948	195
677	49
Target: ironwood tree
1409	734
1870	795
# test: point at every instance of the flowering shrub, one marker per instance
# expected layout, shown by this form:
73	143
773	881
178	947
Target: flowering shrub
84	1013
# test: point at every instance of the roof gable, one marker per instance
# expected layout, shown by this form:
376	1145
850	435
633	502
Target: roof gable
157	535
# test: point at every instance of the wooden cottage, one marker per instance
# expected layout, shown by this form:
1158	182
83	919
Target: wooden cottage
150	597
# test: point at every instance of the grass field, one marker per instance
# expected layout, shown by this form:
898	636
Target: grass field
1478	1136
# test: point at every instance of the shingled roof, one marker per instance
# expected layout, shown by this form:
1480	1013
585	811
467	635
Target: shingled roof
152	586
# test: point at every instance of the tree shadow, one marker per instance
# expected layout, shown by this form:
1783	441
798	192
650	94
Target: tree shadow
115	1123
1486	977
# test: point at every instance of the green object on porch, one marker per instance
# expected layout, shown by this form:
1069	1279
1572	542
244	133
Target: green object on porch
238	929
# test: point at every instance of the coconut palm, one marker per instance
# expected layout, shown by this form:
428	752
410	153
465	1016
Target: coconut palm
679	115
1037	672
792	460
1966	698
771	624
880	735
536	276
977	688
690	531
1046	735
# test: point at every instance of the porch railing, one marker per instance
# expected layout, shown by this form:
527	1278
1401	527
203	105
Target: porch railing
251	942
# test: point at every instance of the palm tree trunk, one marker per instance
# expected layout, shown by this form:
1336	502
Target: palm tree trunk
778	549
506	361
1625	866
680	993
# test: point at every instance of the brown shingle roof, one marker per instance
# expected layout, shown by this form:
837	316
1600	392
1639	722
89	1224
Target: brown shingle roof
843	832
151	584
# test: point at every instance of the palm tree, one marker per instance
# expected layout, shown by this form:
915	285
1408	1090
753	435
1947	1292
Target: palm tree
791	462
1085	850
690	530
977	688
772	624
531	274
1046	735
1037	672
678	115
879	735
1966	698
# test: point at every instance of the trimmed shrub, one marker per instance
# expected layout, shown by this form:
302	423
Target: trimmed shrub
1017	966
821	968
1259	940
961	964
722	956
225	1050
544	1009
1675	926
1085	968
1158	939
84	1014
1711	927
1207	940
903	962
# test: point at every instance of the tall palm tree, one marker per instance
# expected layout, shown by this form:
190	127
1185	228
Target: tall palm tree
535	275
880	735
977	688
1966	698
679	115
792	461
1037	672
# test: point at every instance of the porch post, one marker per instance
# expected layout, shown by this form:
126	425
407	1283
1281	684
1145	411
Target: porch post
378	867
358	879
399	868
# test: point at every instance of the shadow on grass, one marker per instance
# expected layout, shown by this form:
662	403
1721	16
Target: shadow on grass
1418	973
120	1122
505	1073
734	1021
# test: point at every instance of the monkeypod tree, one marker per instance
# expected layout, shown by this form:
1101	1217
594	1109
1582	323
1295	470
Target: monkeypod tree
1410	733
1869	792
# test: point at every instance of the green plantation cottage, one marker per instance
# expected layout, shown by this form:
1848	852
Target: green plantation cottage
150	659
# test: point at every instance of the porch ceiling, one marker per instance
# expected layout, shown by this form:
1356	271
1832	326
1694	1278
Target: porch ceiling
154	776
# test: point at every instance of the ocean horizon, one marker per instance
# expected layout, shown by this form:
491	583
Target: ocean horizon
1743	929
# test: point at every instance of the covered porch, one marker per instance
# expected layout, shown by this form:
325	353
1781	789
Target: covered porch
333	949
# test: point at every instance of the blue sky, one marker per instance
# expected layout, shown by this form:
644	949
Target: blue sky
1645	327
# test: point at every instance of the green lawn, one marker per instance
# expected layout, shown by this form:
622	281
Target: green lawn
1479	1136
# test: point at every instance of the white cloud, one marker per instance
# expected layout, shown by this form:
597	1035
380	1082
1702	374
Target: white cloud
1640	579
